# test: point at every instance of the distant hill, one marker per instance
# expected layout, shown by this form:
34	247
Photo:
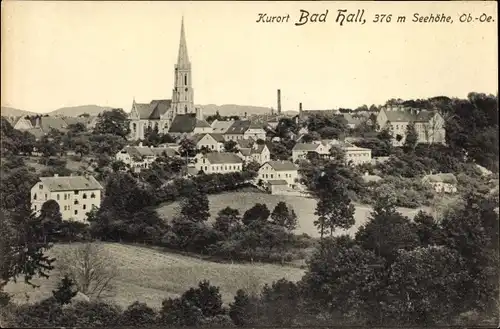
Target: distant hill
74	111
232	109
12	112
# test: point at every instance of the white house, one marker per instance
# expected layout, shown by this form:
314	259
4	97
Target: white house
442	183
256	152
279	170
355	155
300	150
141	157
218	163
76	195
429	125
213	142
255	131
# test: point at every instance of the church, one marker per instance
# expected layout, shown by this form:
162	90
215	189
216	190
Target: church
161	113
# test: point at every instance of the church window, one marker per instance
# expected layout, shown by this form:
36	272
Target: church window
34	196
186	89
185	80
134	127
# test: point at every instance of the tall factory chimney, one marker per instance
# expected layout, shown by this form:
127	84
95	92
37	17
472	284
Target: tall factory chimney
279	101
300	107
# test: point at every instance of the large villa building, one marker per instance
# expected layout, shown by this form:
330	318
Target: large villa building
161	113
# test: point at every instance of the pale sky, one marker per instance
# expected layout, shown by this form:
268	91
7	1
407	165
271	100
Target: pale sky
57	54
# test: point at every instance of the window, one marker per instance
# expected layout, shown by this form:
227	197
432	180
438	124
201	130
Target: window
185	79
84	207
40	186
76	212
65	196
84	195
76	202
57	196
134	127
35	207
185	109
34	196
65	207
272	176
45	196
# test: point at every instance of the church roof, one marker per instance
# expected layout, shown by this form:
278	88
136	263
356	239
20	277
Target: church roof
182	58
183	123
153	110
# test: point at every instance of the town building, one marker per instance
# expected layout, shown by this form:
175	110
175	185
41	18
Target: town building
160	114
300	150
186	125
237	130
220	127
75	195
255	131
256	152
279	170
442	183
141	157
19	122
212	142
218	163
429	125
355	155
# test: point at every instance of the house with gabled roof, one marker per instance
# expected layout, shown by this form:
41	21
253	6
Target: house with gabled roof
300	150
19	122
255	131
220	127
255	152
429	125
218	163
210	141
75	195
237	130
141	157
279	170
188	125
442	183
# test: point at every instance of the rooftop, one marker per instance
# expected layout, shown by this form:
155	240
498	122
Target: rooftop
70	183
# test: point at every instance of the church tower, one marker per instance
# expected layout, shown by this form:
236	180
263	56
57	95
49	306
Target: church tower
182	95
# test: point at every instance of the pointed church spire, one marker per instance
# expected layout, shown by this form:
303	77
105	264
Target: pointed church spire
182	59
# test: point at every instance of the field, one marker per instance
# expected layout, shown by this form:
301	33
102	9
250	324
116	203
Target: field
304	208
149	276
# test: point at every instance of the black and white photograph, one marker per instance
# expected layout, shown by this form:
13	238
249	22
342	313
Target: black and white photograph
225	164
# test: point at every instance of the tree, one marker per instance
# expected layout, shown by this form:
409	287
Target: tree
258	214
230	146
23	247
284	216
195	207
65	291
76	128
334	208
89	266
205	297
242	310
280	303
138	315
114	122
411	138
227	220
187	148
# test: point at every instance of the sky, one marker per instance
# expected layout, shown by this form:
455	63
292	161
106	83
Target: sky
58	54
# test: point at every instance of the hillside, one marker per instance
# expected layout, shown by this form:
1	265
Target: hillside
10	111
74	111
303	207
149	276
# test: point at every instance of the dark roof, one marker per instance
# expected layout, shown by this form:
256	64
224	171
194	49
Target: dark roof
183	123
406	115
57	123
258	149
202	124
239	127
153	110
221	126
246	151
223	157
305	147
282	165
68	183
277	182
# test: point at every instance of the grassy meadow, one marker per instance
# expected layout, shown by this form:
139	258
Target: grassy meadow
304	208
149	276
